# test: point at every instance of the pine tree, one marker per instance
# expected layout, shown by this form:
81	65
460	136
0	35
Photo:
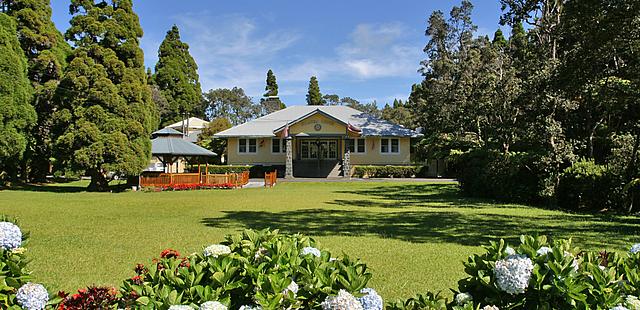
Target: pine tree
499	40
271	102
46	53
314	97
15	97
176	75
106	114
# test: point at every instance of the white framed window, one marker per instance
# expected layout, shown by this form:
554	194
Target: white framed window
278	146
389	146
356	145
247	146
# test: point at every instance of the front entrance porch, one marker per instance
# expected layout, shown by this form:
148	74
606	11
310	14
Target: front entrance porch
318	157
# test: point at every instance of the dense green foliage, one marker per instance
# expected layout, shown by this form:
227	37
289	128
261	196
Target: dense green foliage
16	92
314	97
106	114
232	104
585	185
564	88
270	101
206	139
46	53
176	75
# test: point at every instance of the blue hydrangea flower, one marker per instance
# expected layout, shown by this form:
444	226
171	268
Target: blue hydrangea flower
216	250
513	273
32	296
370	301
635	248
544	251
250	307
463	299
212	305
310	250
10	236
342	301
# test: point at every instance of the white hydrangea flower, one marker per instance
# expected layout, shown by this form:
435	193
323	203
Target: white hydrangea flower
619	307
10	236
488	307
213	305
371	300
180	307
513	274
293	287
635	248
250	307
216	250
342	301
544	251
632	302
463	299
310	250
32	296
510	251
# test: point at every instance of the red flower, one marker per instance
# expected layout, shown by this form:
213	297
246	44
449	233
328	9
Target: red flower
185	263
169	253
137	280
141	269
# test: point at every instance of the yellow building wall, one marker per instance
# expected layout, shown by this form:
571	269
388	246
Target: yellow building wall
328	126
373	156
263	156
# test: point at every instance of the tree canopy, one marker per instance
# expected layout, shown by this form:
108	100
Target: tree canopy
106	113
232	104
15	97
314	97
270	101
46	53
176	75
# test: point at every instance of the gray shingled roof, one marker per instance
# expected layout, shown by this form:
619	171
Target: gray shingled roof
169	141
266	125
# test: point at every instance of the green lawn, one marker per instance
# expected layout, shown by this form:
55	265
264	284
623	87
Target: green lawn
414	236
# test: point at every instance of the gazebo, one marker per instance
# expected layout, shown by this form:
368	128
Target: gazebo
169	147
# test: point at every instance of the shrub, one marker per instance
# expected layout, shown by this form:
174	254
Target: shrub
584	185
90	298
510	177
537	274
256	171
252	268
385	171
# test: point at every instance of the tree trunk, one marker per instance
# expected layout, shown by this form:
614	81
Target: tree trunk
99	182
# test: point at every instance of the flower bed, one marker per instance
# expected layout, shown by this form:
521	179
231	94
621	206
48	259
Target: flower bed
188	187
268	270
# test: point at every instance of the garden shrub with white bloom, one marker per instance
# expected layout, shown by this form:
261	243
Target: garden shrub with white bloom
216	250
513	273
635	248
310	251
371	300
342	301
181	307
32	296
10	236
212	305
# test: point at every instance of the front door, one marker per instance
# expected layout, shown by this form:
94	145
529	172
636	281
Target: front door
319	149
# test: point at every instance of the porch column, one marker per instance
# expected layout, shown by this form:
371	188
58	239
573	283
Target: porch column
288	173
346	165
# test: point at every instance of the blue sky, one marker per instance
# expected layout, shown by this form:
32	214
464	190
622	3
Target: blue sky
367	50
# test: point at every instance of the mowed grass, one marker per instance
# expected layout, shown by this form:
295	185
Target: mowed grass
414	236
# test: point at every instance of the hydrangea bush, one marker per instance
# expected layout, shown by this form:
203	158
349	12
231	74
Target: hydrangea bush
537	274
252	269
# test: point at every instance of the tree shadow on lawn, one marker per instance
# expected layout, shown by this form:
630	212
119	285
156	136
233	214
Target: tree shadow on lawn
47	188
471	229
416	195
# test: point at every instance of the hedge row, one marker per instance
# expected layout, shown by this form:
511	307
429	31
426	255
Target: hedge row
256	171
268	270
389	171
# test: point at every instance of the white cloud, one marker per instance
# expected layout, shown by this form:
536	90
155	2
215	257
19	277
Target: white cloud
231	51
372	51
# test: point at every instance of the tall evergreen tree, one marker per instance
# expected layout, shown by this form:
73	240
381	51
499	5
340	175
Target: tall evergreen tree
106	114
177	77
17	115
46	53
314	97
270	101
